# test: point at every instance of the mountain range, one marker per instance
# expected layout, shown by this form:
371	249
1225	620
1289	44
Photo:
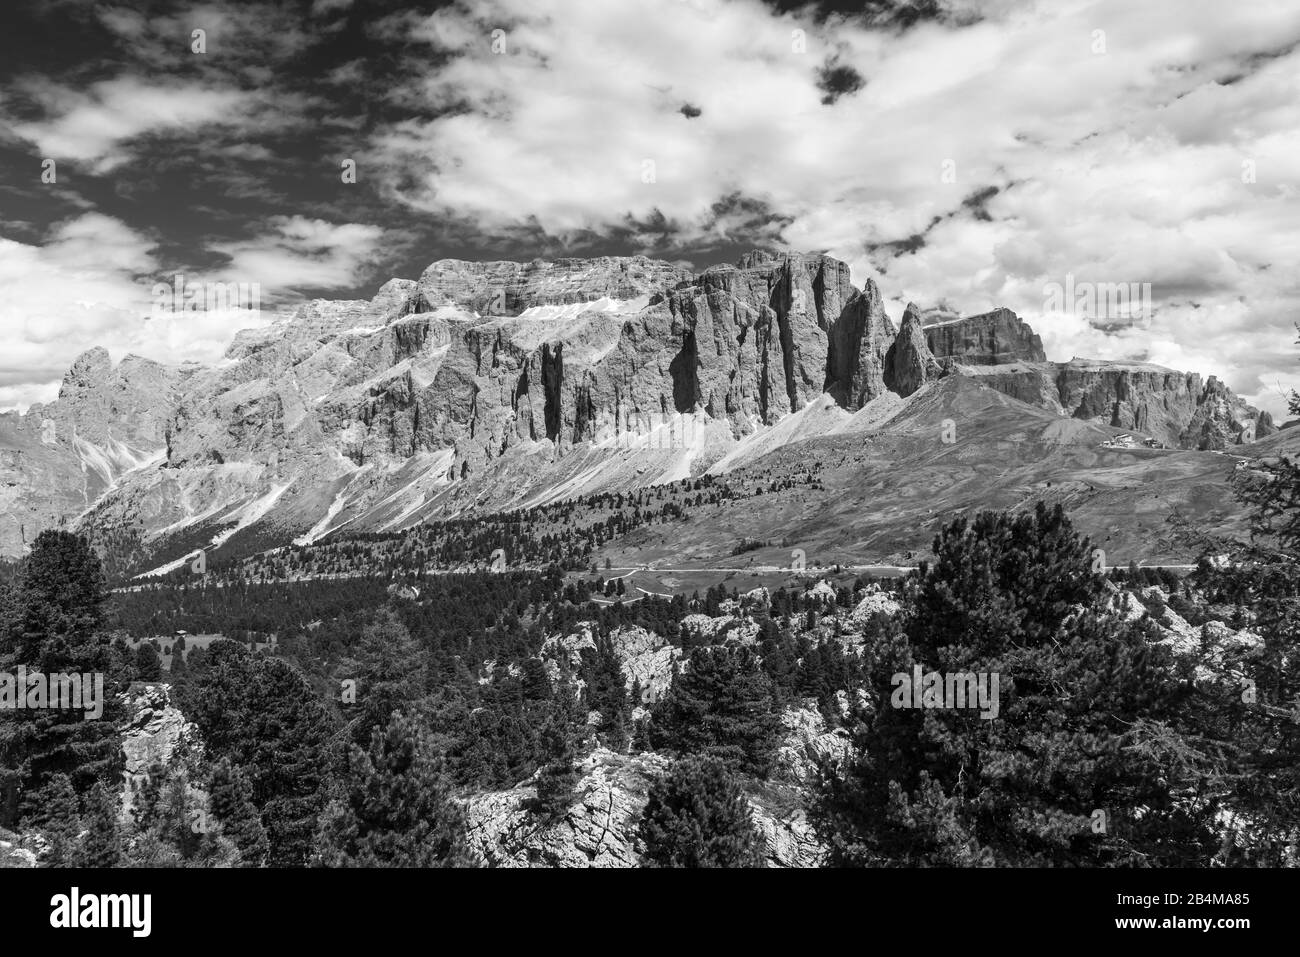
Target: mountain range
485	387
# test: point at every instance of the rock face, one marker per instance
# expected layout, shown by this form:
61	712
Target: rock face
910	364
807	743
509	288
1172	407
991	338
58	457
645	657
859	345
156	739
600	829
503	385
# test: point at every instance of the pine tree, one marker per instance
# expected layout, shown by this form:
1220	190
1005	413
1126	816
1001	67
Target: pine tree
536	682
101	846
395	808
390	670
262	714
55	812
53	613
606	691
148	666
697	816
231	798
720	704
1091	717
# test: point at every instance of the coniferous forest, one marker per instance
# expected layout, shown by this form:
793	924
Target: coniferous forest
355	723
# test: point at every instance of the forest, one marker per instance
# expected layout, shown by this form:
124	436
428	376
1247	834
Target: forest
356	739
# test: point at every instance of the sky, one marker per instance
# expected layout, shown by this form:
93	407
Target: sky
964	155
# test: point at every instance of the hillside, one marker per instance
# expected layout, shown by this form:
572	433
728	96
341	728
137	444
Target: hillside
490	388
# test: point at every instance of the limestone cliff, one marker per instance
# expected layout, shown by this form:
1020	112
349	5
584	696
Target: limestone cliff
991	338
910	364
497	385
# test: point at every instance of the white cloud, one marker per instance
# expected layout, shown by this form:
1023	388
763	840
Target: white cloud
299	253
91	282
94	126
1122	165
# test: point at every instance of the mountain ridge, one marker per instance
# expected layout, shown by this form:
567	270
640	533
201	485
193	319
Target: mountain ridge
494	385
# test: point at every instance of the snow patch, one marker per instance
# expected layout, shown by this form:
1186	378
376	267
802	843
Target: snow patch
574	309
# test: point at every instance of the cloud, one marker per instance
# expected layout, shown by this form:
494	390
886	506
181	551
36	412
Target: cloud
298	253
95	126
92	281
79	287
965	160
960	152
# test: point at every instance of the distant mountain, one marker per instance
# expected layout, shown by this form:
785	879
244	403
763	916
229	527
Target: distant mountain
482	387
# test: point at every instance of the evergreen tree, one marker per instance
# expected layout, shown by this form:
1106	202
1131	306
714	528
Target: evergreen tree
263	715
697	816
60	600
536	682
55	812
606	692
148	666
557	780
53	609
101	845
720	704
395	808
1091	756
231	798
390	670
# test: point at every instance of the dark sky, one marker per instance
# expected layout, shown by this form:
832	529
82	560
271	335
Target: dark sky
190	191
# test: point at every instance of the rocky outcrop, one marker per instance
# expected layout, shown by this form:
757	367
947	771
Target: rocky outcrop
875	601
737	629
646	658
600	828
99	403
808	744
991	338
910	364
156	740
1172	407
859	343
15	850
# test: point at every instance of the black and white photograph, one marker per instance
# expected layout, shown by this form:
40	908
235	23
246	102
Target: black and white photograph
652	435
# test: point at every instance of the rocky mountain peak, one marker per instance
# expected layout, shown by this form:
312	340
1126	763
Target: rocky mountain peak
990	338
498	382
909	363
89	370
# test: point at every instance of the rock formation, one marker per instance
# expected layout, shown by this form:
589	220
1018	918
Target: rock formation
991	338
910	364
156	740
500	384
600	828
